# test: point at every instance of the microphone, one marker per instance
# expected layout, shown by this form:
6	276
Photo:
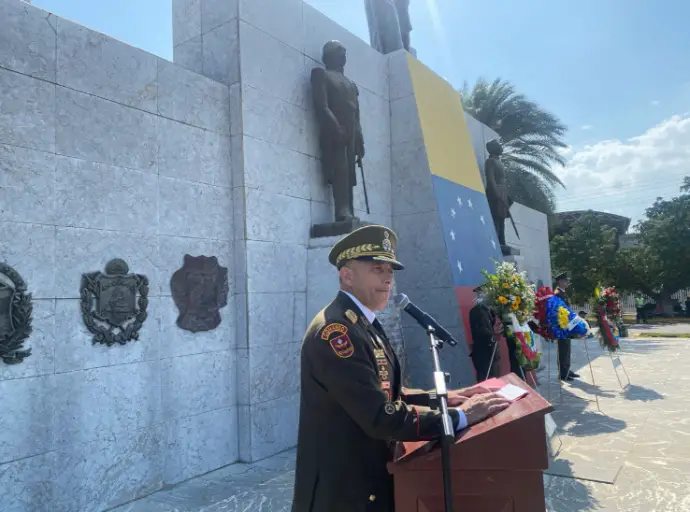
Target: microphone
424	319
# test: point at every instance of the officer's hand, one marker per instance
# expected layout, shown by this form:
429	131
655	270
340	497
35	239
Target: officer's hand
458	397
480	407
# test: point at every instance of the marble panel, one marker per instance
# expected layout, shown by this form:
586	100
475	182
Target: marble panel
365	66
186	18
319	190
176	342
273	371
375	117
42	344
27	40
274	120
198	444
236	110
189	55
441	303
97	64
93	249
26	425
110	471
270	427
284	23
27	178
274	217
322	213
378	194
195	209
27	111
95	404
102	131
280	69
215	13
425	256
30	250
101	196
271	318
412	188
74	348
400	79
300	324
197	383
274	268
27	483
221	53
322	285
276	169
240	266
193	154
232	175
193	99
405	123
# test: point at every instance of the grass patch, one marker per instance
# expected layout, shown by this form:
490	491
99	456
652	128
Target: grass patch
661	335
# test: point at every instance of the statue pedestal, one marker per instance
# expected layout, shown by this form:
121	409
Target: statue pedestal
338	228
512	255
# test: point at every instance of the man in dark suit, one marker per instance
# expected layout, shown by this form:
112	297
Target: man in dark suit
352	404
482	325
562	282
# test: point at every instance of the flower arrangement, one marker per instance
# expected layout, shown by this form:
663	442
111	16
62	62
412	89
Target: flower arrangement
556	319
512	297
606	305
508	291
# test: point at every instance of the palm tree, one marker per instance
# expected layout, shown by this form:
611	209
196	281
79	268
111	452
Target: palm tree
530	135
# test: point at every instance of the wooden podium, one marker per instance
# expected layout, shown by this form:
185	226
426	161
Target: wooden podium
496	465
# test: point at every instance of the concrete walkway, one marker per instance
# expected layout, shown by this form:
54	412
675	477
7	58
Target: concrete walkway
632	456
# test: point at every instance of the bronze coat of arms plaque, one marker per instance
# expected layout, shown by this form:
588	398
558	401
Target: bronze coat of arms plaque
199	289
15	316
113	304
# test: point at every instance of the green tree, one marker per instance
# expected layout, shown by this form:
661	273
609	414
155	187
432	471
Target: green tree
660	265
530	135
587	251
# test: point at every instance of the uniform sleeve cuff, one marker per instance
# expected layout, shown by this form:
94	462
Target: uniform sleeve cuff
462	420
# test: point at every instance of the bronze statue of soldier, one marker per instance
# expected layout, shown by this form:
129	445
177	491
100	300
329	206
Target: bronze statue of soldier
336	101
497	190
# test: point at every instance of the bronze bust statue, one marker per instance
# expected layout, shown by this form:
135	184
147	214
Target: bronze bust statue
336	101
497	190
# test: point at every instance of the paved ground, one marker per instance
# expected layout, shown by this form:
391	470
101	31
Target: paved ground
633	456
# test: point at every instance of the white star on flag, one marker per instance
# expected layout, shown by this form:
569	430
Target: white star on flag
481	217
452	234
459	266
469	203
493	243
459	201
452	212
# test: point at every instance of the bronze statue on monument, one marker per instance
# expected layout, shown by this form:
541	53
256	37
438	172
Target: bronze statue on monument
497	193
389	25
336	101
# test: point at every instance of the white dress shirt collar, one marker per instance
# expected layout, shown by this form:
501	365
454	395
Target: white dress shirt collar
368	313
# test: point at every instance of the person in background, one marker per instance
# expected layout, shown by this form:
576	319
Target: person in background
562	282
639	306
482	326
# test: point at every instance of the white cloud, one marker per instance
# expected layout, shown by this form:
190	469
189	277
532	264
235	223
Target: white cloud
654	103
586	127
625	177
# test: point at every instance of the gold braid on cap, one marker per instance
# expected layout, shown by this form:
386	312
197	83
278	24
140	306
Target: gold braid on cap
358	251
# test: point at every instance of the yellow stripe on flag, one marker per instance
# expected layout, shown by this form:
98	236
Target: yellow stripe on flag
446	137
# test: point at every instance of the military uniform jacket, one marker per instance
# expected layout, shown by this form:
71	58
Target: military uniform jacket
560	293
352	409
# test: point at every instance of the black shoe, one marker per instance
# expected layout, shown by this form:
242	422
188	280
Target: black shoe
573	375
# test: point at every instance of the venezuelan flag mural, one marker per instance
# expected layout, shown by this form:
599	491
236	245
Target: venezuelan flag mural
468	229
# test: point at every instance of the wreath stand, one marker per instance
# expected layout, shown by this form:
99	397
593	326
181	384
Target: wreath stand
560	384
615	369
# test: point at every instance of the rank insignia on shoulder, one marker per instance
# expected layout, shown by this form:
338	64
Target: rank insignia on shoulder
389	408
336	335
351	316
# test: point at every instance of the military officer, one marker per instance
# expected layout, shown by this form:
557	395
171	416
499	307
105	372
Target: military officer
352	405
562	282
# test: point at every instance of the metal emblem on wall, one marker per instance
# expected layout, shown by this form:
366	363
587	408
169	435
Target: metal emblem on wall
113	304
15	316
200	289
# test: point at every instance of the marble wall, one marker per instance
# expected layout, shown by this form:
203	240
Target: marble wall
107	151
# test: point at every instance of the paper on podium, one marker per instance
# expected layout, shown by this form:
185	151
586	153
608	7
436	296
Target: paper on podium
507	391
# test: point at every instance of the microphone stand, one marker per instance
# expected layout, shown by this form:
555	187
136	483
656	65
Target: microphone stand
441	393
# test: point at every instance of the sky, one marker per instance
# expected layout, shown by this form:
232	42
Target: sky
615	72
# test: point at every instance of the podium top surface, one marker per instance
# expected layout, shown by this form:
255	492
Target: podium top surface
531	405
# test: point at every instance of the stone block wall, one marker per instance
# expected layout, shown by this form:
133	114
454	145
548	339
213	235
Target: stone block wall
107	151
